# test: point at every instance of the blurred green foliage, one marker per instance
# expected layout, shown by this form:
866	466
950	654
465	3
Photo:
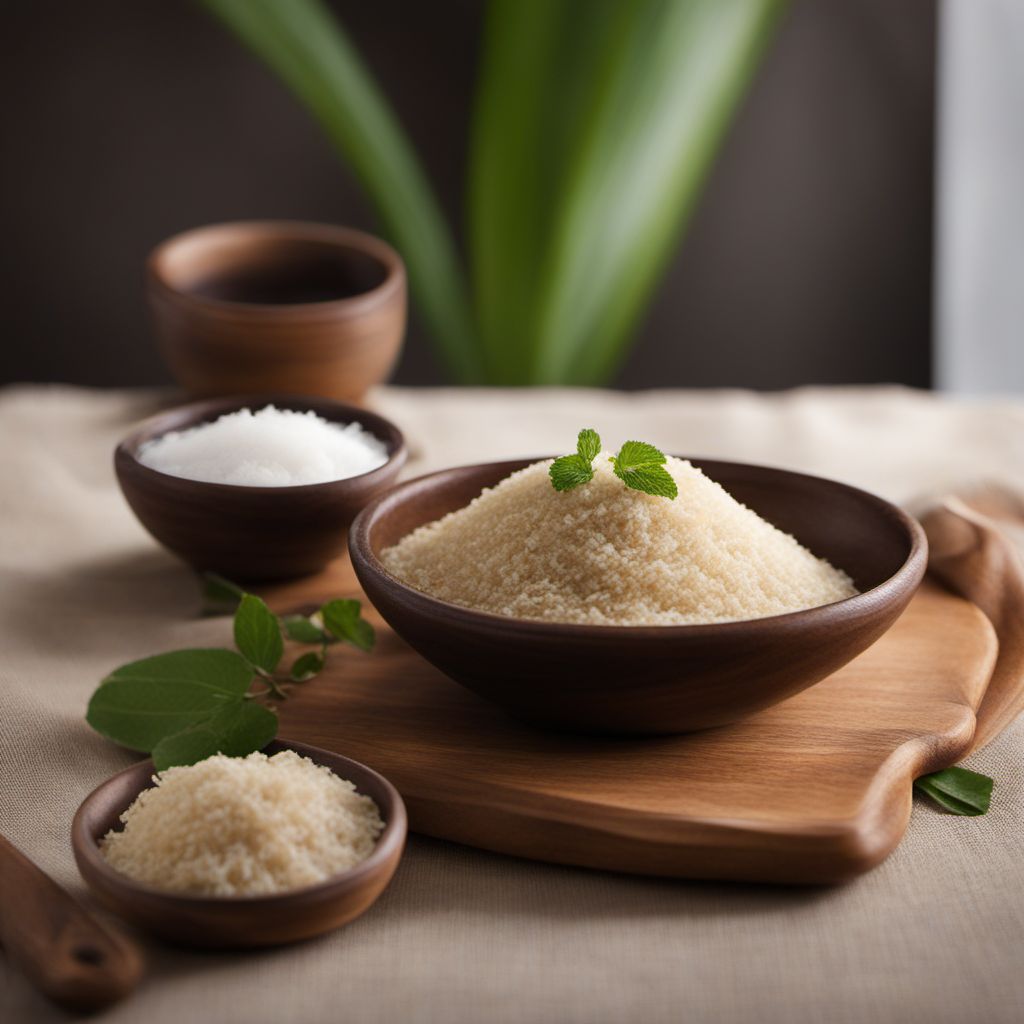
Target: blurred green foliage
595	125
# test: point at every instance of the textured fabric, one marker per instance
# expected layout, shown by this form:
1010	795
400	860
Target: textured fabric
935	934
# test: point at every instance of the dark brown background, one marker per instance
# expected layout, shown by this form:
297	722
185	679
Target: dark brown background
125	121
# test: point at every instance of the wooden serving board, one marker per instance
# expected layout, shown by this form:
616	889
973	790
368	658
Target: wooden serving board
815	790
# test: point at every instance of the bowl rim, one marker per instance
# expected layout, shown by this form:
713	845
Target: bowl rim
389	844
283	230
907	576
205	410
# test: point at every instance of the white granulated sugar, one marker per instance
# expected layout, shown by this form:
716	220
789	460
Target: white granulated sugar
244	826
606	555
269	448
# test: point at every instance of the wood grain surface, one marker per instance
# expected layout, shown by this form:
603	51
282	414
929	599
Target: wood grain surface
238	922
814	790
220	336
651	680
267	533
67	953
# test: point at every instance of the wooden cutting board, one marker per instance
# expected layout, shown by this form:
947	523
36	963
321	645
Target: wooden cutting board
814	790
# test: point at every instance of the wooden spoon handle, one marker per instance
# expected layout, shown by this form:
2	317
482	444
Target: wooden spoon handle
65	952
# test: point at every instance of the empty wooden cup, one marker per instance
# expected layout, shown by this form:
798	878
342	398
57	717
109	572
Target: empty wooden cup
282	306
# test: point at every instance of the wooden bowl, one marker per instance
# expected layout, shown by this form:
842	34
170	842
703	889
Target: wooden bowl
637	680
286	306
252	533
239	921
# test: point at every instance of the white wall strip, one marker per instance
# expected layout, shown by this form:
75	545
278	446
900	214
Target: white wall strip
979	294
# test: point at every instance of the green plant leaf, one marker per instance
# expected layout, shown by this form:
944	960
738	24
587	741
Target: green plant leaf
595	127
306	666
539	65
342	618
588	444
638	453
140	703
237	730
654	480
258	634
311	53
640	465
958	790
570	471
303	630
220	596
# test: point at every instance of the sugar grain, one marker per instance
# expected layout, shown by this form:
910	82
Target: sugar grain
269	448
606	555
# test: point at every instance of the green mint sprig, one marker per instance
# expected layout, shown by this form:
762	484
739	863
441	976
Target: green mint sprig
183	706
638	465
958	790
572	470
641	466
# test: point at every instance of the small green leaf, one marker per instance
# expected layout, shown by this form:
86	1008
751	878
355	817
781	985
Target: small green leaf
236	731
654	480
140	703
342	617
588	444
958	790
220	596
640	465
570	471
186	747
302	630
306	666
257	633
634	454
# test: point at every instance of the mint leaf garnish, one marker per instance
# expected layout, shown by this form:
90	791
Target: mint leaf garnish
572	470
638	465
958	790
342	618
184	706
258	634
588	444
641	466
634	454
654	480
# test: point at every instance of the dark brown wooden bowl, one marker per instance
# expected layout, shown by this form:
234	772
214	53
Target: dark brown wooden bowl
239	921
651	680
288	306
252	533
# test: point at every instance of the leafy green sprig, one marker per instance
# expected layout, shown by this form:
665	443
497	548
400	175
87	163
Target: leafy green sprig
638	465
572	470
958	790
184	706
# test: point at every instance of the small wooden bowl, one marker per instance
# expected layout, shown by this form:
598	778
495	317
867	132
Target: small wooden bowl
239	921
252	533
637	680
286	306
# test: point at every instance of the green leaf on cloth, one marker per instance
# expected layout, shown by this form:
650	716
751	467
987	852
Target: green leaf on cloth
958	790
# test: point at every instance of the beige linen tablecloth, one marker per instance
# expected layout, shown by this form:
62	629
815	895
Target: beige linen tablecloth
935	934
